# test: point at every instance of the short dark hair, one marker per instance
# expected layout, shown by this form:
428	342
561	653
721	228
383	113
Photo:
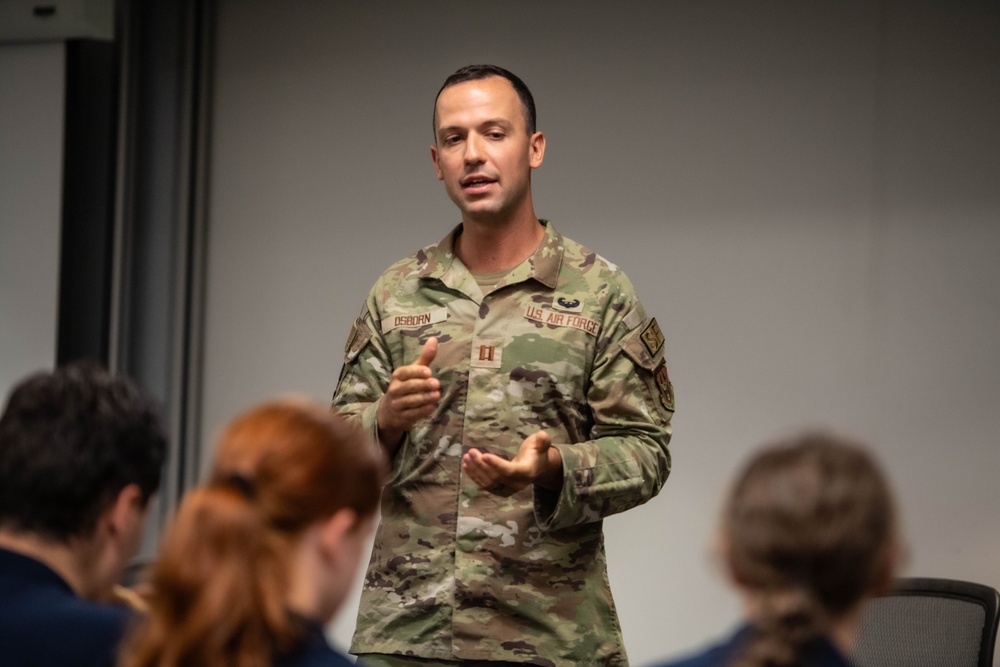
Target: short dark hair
477	72
70	441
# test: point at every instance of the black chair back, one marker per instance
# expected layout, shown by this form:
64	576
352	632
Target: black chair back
929	623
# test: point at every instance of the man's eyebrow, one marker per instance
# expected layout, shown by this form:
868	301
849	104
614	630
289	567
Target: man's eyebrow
496	121
503	122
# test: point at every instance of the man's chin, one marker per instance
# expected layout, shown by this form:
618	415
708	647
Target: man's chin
483	213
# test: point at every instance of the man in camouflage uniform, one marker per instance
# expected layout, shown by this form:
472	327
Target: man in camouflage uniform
520	389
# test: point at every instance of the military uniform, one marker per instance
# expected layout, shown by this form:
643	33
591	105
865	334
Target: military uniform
560	344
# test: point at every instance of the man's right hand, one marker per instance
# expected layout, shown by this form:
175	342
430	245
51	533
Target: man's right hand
412	395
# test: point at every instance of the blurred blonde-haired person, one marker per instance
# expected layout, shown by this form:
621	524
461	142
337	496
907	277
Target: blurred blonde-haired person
261	557
809	532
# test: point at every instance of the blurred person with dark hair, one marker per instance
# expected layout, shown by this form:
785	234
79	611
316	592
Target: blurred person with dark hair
809	533
81	451
260	557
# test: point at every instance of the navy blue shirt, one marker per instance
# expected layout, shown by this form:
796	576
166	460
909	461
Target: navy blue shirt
314	652
820	653
44	623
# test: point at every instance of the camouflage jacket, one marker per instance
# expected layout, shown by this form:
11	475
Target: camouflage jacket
561	344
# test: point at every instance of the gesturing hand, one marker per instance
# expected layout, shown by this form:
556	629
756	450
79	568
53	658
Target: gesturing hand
412	395
537	462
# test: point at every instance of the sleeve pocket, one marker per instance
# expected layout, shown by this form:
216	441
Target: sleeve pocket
644	346
361	333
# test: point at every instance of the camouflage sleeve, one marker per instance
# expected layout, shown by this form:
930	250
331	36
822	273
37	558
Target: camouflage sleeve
631	398
366	372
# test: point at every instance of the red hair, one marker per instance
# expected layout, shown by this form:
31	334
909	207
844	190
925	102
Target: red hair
221	580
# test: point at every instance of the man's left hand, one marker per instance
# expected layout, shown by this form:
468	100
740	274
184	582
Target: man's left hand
537	462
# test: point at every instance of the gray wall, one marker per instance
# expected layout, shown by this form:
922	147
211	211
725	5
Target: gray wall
31	129
806	195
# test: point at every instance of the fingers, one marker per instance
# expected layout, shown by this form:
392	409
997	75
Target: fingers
478	470
408	401
492	473
412	394
420	369
504	478
408	394
413	388
429	352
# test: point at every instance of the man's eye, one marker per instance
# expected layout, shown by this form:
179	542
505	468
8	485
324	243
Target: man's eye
495	135
452	140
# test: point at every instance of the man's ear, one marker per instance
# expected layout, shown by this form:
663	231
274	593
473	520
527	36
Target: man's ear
536	150
437	166
125	510
334	532
115	540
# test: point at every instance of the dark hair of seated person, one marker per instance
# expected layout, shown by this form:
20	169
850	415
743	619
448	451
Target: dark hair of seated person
70	441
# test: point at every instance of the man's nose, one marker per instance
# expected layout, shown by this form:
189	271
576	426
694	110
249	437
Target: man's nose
473	149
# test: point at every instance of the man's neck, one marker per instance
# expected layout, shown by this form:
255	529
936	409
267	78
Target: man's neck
486	247
60	557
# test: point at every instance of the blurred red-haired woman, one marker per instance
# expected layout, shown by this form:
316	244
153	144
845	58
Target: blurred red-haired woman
260	557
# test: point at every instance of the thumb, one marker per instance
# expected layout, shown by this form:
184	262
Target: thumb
429	352
540	440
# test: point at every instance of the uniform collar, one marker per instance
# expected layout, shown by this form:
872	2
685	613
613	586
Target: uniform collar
440	261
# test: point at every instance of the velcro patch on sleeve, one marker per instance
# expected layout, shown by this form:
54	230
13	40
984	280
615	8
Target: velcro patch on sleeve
361	333
635	317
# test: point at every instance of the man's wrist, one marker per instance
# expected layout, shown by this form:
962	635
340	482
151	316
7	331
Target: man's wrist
551	476
388	439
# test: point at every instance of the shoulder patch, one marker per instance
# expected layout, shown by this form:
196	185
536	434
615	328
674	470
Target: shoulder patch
664	385
652	337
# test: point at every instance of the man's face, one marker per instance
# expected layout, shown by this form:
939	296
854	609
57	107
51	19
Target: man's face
483	151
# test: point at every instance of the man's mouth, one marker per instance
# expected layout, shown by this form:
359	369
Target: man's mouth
476	182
